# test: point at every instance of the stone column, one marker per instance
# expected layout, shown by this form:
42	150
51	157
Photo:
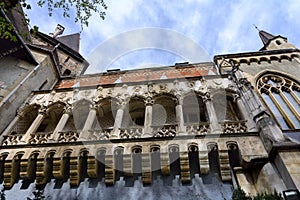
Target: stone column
213	119
148	117
244	112
88	123
61	124
118	120
35	125
10	127
179	115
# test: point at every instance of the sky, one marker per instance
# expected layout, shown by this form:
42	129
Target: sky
138	33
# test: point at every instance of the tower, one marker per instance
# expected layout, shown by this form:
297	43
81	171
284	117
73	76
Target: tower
273	73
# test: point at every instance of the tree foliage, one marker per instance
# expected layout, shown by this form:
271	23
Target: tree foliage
83	10
239	194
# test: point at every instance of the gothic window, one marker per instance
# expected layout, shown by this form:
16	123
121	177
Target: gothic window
105	116
25	121
225	107
119	166
282	96
194	160
163	110
134	113
174	160
213	157
155	161
194	110
137	162
80	113
101	162
233	154
52	118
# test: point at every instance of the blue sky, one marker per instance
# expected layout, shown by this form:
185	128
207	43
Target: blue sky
214	26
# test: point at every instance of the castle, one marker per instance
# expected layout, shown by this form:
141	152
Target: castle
203	128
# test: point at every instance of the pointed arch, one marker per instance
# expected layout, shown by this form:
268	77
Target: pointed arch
194	109
106	112
281	95
27	116
80	112
134	113
225	106
164	109
54	112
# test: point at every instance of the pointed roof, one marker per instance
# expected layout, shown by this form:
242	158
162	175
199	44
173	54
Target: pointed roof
265	37
71	41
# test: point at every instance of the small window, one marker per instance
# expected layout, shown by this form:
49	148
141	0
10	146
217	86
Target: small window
278	42
67	72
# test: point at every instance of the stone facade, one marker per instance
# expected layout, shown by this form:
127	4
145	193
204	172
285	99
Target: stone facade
211	126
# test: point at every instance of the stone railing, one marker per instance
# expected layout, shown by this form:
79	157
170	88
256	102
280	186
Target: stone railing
131	132
200	128
234	126
68	136
167	130
12	139
101	134
39	137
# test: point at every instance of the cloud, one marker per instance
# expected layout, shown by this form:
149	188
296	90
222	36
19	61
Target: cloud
146	38
218	26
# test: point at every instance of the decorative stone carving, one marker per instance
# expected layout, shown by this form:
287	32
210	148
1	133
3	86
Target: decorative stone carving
86	93
197	128
149	101
165	131
137	88
12	139
234	127
69	136
39	138
206	97
100	134
131	133
190	84
62	95
162	87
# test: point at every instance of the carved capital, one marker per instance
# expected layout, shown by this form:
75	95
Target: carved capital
149	101
179	99
206	97
150	87
68	109
236	97
43	110
93	106
121	104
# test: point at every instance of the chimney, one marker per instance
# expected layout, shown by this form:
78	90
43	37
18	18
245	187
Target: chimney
58	31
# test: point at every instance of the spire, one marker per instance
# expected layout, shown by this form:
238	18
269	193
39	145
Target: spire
264	36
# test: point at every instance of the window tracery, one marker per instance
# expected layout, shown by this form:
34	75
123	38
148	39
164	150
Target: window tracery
282	96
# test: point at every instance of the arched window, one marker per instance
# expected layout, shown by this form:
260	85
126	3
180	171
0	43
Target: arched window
25	121
194	110
52	118
164	110
225	107
282	96
106	114
134	113
80	113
